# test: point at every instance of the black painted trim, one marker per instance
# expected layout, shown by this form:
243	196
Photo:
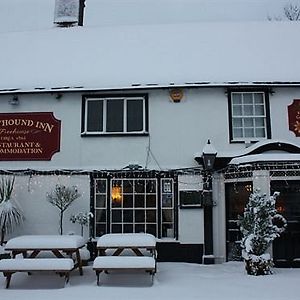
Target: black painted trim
112	95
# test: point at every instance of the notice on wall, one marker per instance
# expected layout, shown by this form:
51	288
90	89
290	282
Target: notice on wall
29	136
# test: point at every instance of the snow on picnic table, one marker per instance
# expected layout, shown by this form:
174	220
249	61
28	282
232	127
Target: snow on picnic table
173	281
127	240
46	242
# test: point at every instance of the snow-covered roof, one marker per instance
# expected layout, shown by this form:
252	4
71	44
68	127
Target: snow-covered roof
118	56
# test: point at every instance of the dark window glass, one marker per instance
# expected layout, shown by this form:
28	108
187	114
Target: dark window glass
95	115
117	216
128	216
114	115
127	228
134	115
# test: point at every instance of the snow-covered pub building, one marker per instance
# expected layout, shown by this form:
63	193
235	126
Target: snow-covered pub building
124	112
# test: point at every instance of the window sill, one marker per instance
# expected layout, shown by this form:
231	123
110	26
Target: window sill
113	134
250	141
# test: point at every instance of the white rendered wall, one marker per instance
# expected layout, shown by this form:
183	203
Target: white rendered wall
41	217
190	220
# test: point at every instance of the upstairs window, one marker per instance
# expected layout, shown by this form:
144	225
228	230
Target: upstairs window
249	119
115	115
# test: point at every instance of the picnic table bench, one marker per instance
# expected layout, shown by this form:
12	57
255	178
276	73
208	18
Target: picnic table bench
139	245
62	266
30	246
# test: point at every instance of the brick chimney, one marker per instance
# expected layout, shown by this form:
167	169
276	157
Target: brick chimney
69	13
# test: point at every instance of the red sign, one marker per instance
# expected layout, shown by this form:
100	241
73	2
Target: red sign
29	136
294	117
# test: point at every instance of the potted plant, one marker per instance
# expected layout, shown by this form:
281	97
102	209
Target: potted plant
62	197
11	214
260	225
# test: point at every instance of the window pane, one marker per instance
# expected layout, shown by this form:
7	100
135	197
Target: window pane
237	110
151	201
151	186
167	200
249	132
101	186
236	98
237	122
100	229
134	115
167	215
116	228
128	216
139	201
127	186
237	132
139	216
151	228
259	122
100	215
127	201
95	115
114	115
258	98
249	122
116	215
140	186
259	110
128	228
248	98
167	230
260	132
139	228
248	110
151	216
100	200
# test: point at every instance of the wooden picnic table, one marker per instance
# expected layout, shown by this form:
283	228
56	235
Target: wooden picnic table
135	242
111	246
31	245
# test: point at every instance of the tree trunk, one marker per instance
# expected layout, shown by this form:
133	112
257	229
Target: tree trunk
61	222
2	235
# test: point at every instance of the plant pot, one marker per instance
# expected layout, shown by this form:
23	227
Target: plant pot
258	265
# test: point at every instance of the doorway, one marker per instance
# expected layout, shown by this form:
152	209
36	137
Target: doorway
286	248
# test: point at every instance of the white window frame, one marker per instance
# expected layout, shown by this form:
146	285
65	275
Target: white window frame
243	117
104	119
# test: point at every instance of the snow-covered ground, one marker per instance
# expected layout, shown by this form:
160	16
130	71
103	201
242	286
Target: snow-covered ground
172	281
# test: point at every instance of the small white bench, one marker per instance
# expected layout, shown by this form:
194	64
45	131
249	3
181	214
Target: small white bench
62	266
110	263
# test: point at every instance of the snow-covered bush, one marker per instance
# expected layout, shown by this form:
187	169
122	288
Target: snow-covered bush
82	218
259	226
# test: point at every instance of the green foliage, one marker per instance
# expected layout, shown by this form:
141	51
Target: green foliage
62	197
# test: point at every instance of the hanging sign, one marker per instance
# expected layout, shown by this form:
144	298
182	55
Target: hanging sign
29	136
294	117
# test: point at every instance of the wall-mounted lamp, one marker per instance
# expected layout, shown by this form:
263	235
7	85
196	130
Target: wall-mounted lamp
14	100
209	155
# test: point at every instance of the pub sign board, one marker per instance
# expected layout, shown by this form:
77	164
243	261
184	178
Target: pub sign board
294	117
29	136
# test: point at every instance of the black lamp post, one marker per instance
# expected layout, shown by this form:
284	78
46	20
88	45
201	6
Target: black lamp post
208	155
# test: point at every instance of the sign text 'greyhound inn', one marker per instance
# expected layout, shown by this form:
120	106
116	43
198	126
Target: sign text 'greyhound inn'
29	136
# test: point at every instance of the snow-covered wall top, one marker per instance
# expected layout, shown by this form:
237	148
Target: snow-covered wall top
125	56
